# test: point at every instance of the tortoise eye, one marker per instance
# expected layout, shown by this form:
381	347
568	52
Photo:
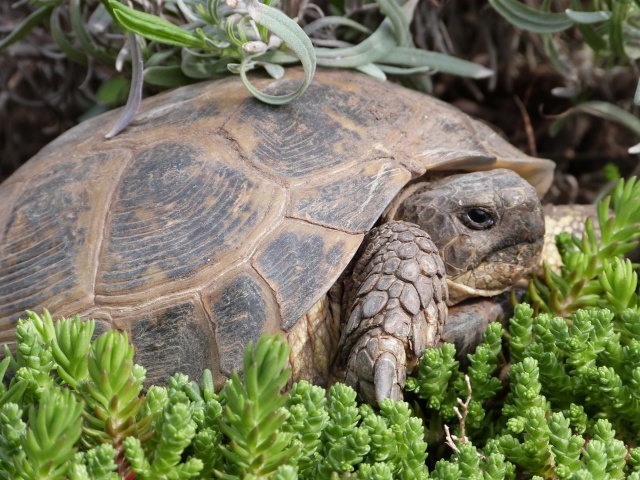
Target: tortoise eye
478	219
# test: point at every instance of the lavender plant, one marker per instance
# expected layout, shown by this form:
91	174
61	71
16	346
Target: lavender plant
171	43
608	30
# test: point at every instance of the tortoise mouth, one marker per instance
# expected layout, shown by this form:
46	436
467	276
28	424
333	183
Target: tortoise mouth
459	292
497	273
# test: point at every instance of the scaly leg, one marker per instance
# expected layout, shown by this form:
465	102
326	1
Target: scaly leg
396	309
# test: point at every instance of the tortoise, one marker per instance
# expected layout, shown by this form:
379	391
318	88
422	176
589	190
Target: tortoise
214	218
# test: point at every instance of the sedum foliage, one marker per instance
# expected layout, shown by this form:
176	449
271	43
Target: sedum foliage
81	413
594	272
569	410
560	401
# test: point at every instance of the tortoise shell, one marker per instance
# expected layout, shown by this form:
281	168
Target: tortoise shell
214	217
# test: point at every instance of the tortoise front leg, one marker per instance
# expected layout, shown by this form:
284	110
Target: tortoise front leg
396	309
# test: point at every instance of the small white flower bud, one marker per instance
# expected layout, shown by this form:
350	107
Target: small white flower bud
255	47
274	41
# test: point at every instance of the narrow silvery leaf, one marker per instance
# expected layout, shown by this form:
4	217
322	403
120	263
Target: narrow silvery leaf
186	11
171	76
199	66
605	110
588	17
135	91
26	26
399	20
58	35
636	97
529	19
616	38
278	56
414	57
372	70
334	21
100	20
556	57
275	71
609	111
89	46
594	37
570	91
290	32
370	50
404	71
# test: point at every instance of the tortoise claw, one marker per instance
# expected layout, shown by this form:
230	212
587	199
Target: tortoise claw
386	378
376	367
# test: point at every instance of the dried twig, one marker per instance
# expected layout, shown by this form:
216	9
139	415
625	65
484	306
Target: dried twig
461	416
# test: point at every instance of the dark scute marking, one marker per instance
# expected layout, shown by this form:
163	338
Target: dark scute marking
451	125
172	340
302	137
101	326
175	211
354	201
335	255
239	313
297	266
351	106
43	236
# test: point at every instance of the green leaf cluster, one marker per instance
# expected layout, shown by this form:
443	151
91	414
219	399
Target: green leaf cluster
594	271
441	382
75	408
570	410
189	40
253	413
81	413
608	28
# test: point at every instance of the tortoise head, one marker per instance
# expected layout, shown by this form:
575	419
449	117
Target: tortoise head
488	227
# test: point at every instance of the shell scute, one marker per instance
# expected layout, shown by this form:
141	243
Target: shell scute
175	337
352	200
177	213
180	108
300	262
324	129
51	234
241	307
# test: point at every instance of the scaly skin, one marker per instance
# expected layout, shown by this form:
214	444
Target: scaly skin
487	230
398	311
